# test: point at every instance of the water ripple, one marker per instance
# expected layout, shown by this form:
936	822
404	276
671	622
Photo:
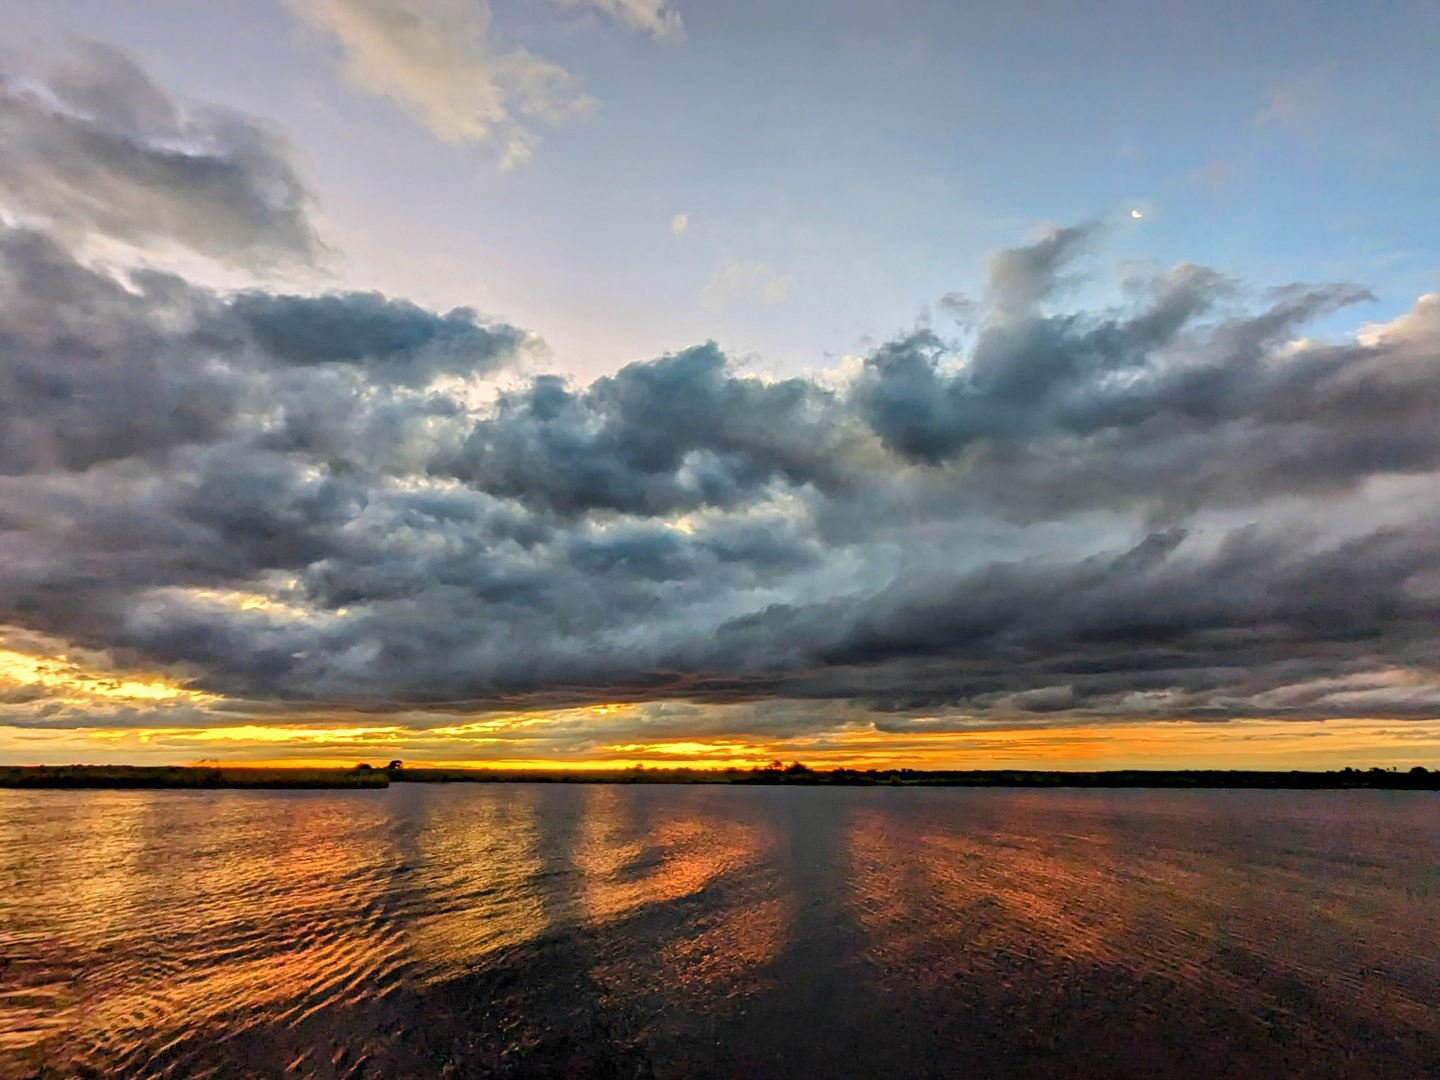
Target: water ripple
178	933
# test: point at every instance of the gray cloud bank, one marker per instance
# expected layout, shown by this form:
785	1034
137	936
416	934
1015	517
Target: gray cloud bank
1175	507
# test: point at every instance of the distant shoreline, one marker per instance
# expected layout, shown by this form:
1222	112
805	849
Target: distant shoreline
207	777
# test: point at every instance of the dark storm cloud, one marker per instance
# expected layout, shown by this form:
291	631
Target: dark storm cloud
1172	506
1123	381
91	145
91	370
655	438
1154	629
394	340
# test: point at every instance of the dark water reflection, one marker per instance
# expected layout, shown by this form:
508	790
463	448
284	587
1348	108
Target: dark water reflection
556	930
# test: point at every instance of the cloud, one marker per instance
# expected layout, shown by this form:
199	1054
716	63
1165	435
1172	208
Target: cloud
252	504
442	62
736	280
394	340
951	536
1132	390
656	17
1021	277
89	145
672	435
960	308
1155	631
95	370
1299	101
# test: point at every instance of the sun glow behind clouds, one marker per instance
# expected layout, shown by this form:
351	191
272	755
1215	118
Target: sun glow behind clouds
138	716
554	742
246	601
78	681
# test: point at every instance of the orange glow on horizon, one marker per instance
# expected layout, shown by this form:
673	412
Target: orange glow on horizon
70	704
540	742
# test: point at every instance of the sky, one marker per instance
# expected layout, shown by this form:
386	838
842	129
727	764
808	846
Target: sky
591	382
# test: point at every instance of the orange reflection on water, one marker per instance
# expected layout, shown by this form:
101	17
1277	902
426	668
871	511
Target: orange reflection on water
625	863
941	893
154	912
138	922
1205	889
474	855
637	853
732	946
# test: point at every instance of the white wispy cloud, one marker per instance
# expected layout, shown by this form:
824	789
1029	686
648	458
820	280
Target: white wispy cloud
657	17
735	279
442	61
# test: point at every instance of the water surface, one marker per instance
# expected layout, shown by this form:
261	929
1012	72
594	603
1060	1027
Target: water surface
638	931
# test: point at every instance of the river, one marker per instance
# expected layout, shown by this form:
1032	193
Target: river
535	930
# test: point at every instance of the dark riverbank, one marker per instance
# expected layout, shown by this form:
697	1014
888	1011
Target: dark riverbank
196	776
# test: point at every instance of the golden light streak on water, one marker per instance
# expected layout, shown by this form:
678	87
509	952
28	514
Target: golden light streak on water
176	933
1155	884
133	919
478	855
685	854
